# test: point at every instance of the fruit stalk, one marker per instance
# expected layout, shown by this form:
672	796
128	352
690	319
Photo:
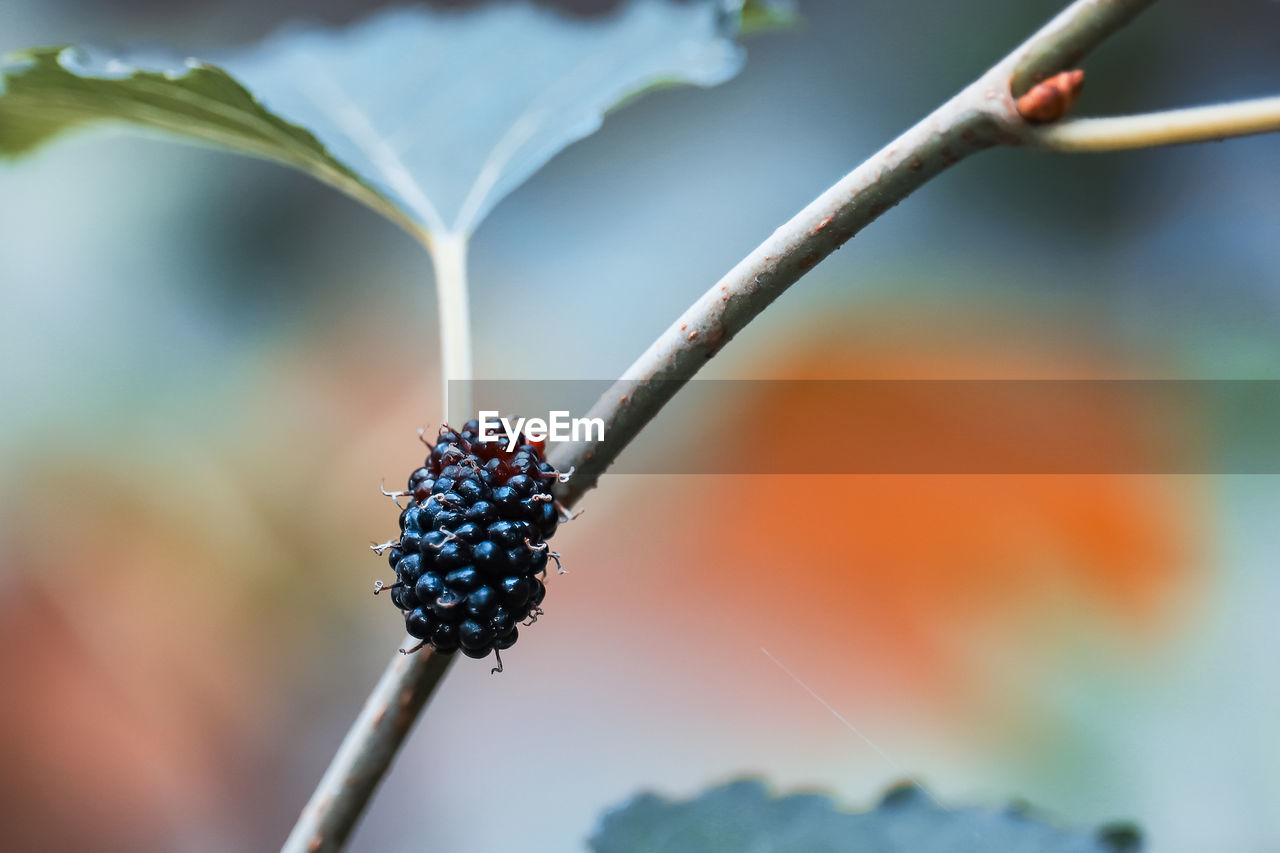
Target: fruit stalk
449	256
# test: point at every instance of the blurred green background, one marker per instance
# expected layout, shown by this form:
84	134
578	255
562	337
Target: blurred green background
209	363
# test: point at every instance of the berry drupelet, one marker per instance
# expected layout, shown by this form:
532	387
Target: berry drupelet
473	551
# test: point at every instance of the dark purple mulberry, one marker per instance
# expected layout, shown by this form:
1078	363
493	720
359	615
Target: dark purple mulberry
473	541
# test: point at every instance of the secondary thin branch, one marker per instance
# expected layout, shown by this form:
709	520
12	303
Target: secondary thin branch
1172	127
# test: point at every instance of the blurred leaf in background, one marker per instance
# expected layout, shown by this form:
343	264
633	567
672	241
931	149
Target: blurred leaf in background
744	815
428	117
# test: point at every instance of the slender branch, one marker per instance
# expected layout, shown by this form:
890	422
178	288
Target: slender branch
1076	31
366	752
980	116
1174	127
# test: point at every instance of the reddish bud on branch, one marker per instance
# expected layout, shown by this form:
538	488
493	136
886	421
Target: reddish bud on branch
1050	100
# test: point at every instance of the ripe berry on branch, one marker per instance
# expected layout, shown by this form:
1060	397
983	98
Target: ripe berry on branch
473	542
